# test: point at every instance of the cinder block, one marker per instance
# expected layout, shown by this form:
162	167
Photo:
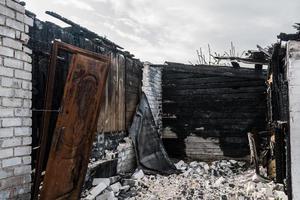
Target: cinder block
22	151
6	132
23	74
7	11
12	43
15	6
23	131
10	122
11	142
6	112
11	162
12	102
15	24
6	153
4	71
5	51
8	32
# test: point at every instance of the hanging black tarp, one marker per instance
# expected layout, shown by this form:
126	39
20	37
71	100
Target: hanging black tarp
151	154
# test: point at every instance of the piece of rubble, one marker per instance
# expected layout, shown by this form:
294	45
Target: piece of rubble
107	195
97	181
138	175
94	192
116	187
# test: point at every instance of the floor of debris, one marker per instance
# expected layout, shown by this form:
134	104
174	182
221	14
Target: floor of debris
224	180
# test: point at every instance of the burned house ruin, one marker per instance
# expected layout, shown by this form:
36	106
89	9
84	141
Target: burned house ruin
83	118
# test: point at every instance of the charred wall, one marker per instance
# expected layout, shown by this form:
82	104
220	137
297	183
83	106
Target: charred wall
208	110
123	86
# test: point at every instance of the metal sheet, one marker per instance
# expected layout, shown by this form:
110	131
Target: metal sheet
75	127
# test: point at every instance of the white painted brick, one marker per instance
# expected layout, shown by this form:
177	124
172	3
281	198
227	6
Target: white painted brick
5	173
6	153
26	85
20	17
10	82
25	38
12	102
12	43
11	162
24	169
23	56
8	32
6	132
27	50
6	92
26	140
23	74
2	20
5	51
27	121
11	142
22	151
23	131
27	103
26	29
14	24
15	6
19	93
26	159
27	67
9	122
7	11
22	112
4	71
28	21
18	35
6	112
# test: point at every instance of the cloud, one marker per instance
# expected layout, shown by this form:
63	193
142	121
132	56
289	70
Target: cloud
76	3
173	29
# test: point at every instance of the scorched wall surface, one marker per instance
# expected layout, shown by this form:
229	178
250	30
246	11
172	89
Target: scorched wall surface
208	110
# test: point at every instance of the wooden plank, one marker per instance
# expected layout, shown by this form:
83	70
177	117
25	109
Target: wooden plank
75	128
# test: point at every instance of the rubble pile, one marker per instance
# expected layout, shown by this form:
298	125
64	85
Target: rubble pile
224	180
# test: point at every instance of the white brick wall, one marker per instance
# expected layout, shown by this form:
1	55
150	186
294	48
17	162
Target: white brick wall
152	76
15	102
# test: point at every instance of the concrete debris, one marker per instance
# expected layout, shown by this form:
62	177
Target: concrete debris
138	175
224	179
94	192
97	181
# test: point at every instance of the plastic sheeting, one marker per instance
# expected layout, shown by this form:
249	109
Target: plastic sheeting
151	154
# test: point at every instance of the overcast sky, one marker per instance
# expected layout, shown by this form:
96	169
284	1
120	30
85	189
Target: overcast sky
172	30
